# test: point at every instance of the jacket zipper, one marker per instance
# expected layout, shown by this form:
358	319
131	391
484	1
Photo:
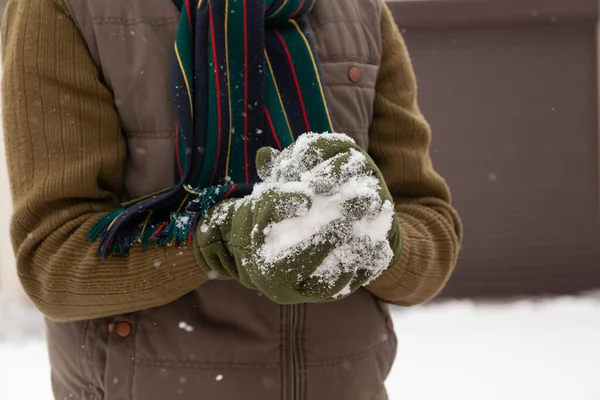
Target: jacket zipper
294	360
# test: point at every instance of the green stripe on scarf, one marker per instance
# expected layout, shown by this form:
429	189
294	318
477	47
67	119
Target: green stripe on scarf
245	75
235	25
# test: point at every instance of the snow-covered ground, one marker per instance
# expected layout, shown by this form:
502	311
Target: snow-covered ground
529	350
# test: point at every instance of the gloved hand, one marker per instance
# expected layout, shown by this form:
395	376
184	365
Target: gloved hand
320	226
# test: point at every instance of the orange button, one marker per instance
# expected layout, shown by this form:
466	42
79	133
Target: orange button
123	329
355	74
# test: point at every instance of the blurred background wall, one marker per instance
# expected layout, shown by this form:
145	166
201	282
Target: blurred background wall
511	90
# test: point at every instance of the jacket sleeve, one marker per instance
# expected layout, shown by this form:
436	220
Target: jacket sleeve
65	154
399	143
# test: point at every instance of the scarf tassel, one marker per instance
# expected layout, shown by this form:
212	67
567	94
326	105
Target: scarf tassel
179	229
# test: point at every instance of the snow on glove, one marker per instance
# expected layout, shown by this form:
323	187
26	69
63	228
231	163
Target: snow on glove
230	244
350	202
320	226
226	238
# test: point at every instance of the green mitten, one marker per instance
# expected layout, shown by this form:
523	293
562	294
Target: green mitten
225	239
320	226
231	243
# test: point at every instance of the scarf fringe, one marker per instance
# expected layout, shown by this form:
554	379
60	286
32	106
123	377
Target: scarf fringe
177	230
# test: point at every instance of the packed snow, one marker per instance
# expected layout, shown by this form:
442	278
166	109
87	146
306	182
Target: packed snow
335	201
526	350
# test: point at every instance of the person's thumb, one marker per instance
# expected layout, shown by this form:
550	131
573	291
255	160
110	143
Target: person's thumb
265	158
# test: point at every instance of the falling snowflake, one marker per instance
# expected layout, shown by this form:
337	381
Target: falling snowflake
184	326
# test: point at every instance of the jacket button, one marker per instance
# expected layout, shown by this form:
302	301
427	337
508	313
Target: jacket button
355	74
123	329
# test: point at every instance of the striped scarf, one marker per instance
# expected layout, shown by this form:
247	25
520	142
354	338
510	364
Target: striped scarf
245	75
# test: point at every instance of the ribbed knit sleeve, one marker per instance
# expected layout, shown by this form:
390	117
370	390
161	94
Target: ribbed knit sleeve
399	143
65	154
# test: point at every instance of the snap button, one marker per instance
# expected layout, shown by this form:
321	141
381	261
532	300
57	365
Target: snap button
123	329
355	74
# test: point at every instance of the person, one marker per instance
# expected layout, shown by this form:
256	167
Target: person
137	134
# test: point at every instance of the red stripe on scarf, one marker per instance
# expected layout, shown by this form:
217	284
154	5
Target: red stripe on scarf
230	191
189	15
272	128
298	10
160	228
214	46
289	56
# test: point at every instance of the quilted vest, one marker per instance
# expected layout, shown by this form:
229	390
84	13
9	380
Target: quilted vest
223	341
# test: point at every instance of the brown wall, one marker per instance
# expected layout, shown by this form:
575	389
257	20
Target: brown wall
511	91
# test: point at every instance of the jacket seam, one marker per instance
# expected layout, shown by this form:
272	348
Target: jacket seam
352	85
206	365
282	352
348	59
302	346
132	362
327	362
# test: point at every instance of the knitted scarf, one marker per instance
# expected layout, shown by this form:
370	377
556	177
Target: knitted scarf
245	75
